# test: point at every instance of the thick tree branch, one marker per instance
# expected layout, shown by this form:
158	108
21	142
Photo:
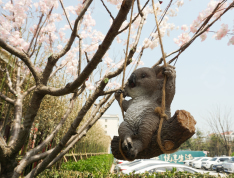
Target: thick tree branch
71	131
9	84
22	56
112	33
9	100
17	119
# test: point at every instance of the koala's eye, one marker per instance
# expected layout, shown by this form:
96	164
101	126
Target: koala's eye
143	75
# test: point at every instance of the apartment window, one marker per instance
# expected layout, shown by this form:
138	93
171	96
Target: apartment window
105	126
105	120
105	132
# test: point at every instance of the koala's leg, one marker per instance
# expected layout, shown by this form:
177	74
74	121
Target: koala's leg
145	132
125	134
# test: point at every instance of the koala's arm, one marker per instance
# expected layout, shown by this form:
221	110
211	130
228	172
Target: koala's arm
170	85
125	103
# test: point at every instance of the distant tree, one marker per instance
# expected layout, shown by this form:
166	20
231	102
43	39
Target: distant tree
220	123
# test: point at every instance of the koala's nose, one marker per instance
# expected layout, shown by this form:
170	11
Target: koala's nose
132	80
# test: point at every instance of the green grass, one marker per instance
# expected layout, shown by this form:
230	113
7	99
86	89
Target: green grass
94	164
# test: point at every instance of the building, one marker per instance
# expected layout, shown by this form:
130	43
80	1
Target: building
110	124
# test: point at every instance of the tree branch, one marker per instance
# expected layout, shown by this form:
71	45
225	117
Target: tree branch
108	10
9	84
133	20
55	57
71	131
28	157
82	132
197	34
112	33
22	56
131	52
9	100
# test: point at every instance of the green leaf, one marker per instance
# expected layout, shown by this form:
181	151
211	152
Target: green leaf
106	80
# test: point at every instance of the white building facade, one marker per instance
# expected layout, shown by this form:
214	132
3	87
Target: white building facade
110	124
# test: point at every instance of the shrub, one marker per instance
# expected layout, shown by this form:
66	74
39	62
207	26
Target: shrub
94	164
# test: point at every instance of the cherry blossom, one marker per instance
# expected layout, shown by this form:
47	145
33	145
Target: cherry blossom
222	32
231	41
184	27
89	85
182	39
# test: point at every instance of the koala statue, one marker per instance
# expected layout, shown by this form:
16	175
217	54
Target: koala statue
140	121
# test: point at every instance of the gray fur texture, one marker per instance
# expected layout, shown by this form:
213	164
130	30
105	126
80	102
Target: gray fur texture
140	121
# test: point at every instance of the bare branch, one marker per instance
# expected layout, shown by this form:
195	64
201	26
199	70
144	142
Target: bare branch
17	119
18	90
131	52
23	79
139	8
55	57
107	10
80	55
22	56
35	33
9	84
109	92
9	100
64	10
28	91
87	58
58	68
133	20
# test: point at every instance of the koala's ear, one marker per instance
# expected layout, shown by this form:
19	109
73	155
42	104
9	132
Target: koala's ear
158	71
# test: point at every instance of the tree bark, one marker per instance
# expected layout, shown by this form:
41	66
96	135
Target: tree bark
175	131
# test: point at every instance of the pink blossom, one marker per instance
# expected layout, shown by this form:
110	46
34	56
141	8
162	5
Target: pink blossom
184	27
180	3
79	9
89	86
146	43
203	36
231	41
108	61
182	39
222	32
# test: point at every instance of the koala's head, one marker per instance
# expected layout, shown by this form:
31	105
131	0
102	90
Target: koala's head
144	82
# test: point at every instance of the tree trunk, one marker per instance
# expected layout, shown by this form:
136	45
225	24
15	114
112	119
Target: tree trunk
175	131
7	168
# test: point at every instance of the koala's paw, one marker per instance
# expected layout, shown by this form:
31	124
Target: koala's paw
117	93
169	71
127	144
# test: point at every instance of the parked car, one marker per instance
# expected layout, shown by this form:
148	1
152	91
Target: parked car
126	169
198	163
186	162
219	167
169	167
209	164
229	166
197	159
